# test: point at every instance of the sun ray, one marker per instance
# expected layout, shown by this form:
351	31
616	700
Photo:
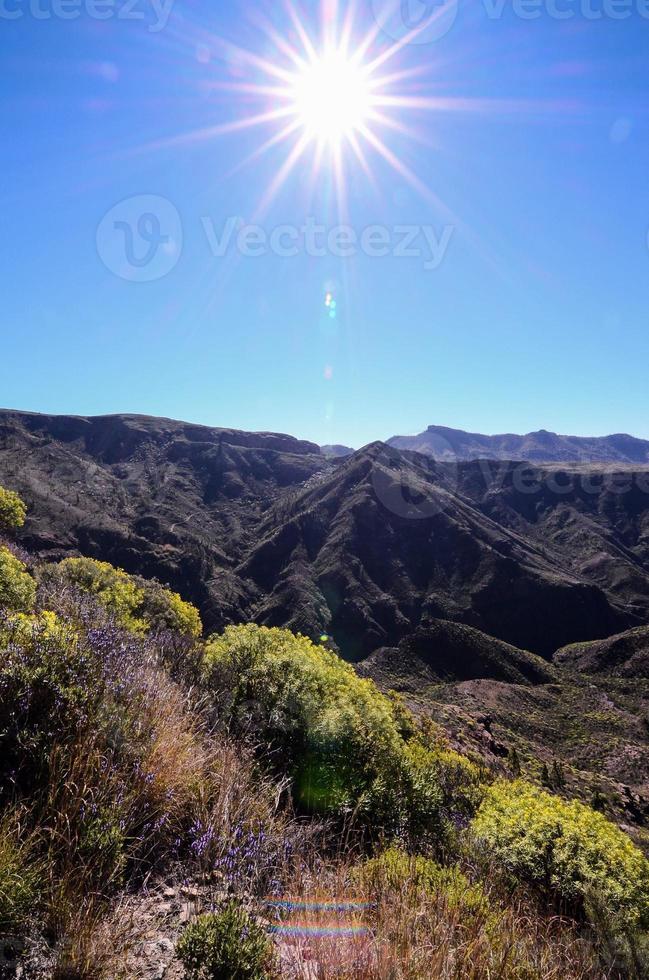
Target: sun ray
301	31
398	126
245	54
249	88
209	132
280	177
381	81
339	183
298	60
461	104
407	39
404	171
279	137
364	46
362	159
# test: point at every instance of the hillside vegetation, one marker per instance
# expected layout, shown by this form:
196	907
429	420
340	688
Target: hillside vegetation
257	775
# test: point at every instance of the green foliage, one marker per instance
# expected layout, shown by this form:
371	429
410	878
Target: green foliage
137	604
334	732
426	797
17	587
163	609
19	880
565	847
12	510
111	586
397	871
226	945
47	685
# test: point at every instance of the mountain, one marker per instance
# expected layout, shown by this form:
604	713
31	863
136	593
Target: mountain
544	447
367	548
445	651
623	655
336	450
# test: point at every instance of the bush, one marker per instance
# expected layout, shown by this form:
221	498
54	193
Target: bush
335	733
428	799
226	945
136	604
12	510
17	587
48	684
114	589
566	848
163	609
397	871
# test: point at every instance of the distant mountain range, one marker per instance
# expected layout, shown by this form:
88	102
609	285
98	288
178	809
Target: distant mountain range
542	447
365	547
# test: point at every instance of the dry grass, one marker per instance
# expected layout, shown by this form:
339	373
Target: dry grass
406	934
147	791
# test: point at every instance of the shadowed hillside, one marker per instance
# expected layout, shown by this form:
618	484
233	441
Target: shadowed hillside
263	527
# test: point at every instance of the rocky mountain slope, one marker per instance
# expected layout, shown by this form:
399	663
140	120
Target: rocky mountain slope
264	527
542	446
623	655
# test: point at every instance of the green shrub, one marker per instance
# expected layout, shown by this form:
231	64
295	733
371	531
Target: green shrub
335	733
564	847
226	945
17	587
136	604
163	609
428	798
48	685
12	510
114	589
397	871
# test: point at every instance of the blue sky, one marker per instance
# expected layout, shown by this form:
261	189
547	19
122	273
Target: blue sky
537	315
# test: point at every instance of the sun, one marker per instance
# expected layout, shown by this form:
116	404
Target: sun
328	92
332	98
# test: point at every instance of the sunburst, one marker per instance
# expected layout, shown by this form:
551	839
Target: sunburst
328	91
334	94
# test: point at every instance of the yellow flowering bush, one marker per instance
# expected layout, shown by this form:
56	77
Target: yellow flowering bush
332	730
566	847
136	603
17	587
12	510
163	609
343	742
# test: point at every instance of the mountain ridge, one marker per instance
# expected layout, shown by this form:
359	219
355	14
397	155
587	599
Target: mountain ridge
366	548
443	442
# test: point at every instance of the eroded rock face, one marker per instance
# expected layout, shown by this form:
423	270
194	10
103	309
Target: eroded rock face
366	548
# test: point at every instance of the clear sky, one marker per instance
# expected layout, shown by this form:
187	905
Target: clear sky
514	146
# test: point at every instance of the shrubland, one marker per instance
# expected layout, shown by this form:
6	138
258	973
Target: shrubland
259	766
